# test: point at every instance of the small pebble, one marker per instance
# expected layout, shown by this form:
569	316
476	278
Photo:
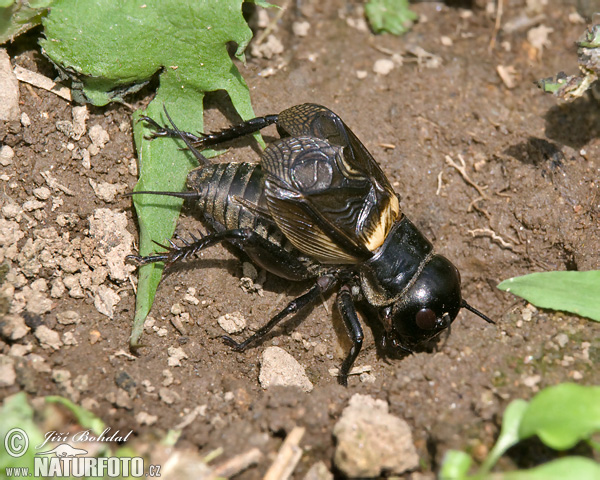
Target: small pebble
176	309
31	205
98	136
8	376
279	368
123	400
144	418
95	336
383	66
42	193
232	322
13	327
176	354
168	380
68	338
25	120
371	441
168	396
9	87
19	350
318	471
6	155
49	339
531	381
301	29
561	339
60	375
105	300
68	317
11	210
446	41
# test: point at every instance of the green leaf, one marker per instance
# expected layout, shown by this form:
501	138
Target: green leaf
575	292
263	3
163	167
16	413
109	45
509	433
114	47
170	439
568	468
551	85
562	415
17	17
591	37
455	465
84	417
390	16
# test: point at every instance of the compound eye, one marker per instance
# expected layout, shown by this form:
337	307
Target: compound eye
426	319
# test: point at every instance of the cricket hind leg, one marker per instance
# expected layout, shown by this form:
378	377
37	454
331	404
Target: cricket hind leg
177	253
214	139
244	238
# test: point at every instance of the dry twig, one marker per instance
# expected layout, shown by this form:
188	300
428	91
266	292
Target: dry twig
261	36
462	169
40	81
499	9
488	232
237	464
334	372
288	456
439	182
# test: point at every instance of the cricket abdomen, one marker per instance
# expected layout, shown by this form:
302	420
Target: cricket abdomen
231	196
223	189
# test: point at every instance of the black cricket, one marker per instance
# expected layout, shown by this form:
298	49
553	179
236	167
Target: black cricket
319	207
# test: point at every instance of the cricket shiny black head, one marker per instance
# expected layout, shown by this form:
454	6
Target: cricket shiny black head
428	307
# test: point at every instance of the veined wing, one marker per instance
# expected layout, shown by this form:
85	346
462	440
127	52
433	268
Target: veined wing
329	204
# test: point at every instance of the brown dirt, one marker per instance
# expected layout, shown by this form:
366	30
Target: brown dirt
538	159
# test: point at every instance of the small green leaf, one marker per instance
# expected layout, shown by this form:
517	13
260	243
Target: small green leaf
17	17
591	37
568	468
455	465
509	433
575	292
16	413
170	439
562	415
84	417
390	16
551	85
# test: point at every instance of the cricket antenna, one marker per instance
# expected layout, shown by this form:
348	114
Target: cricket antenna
476	312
